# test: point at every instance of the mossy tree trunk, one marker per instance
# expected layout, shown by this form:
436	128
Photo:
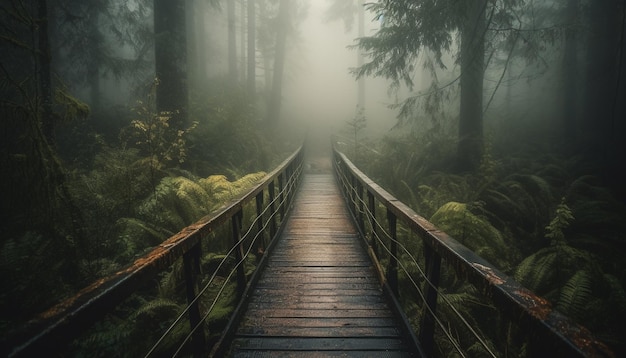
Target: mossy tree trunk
170	51
251	49
470	146
232	43
570	77
45	74
279	63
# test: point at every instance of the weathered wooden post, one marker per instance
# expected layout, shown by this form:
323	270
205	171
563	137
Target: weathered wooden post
427	326
191	264
392	269
271	189
260	244
371	206
241	270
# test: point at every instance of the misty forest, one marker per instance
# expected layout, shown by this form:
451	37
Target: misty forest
499	121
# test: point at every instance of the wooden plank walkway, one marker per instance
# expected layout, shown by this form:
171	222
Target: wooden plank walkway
319	295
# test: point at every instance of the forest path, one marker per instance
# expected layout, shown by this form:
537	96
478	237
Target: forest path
319	294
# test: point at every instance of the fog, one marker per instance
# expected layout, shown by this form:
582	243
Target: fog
125	121
320	92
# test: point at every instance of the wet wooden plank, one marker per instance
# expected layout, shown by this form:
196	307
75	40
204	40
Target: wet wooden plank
311	322
324	354
319	332
319	313
319	292
319	344
323	297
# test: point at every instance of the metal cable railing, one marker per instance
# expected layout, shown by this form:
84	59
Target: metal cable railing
382	242
53	330
542	331
252	236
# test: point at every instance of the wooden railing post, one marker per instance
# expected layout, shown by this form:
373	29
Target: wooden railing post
427	326
359	198
272	194
353	182
392	269
281	190
371	208
241	273
260	243
291	181
191	263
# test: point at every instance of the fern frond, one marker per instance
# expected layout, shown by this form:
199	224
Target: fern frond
617	294
137	235
576	294
194	201
473	231
538	270
562	219
157	308
412	202
215	185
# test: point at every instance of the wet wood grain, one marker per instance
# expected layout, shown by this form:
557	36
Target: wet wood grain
319	295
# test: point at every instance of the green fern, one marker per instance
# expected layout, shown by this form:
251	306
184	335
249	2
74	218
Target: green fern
104	339
221	189
135	235
412	198
562	219
538	272
576	294
473	231
520	203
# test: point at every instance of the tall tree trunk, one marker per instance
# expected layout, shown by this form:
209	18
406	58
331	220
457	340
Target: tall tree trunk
45	74
570	75
251	49
279	62
470	146
93	66
232	43
200	45
265	50
242	38
361	80
603	121
602	49
170	51
192	7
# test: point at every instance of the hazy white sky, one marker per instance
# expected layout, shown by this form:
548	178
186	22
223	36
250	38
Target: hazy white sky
320	90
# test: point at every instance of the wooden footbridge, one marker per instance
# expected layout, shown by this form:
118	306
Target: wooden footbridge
322	262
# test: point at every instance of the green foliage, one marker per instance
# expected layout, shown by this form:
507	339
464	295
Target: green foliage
475	232
72	107
355	125
532	214
221	189
106	338
29	264
226	139
562	219
175	203
521	202
151	133
576	294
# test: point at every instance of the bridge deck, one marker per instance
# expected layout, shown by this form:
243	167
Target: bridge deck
319	294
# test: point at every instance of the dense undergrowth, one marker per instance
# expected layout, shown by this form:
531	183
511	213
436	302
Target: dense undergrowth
124	182
538	215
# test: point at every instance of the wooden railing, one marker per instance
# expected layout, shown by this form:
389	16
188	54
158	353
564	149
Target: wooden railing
529	325
54	329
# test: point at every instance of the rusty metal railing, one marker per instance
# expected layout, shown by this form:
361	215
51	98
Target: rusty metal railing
54	329
526	320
